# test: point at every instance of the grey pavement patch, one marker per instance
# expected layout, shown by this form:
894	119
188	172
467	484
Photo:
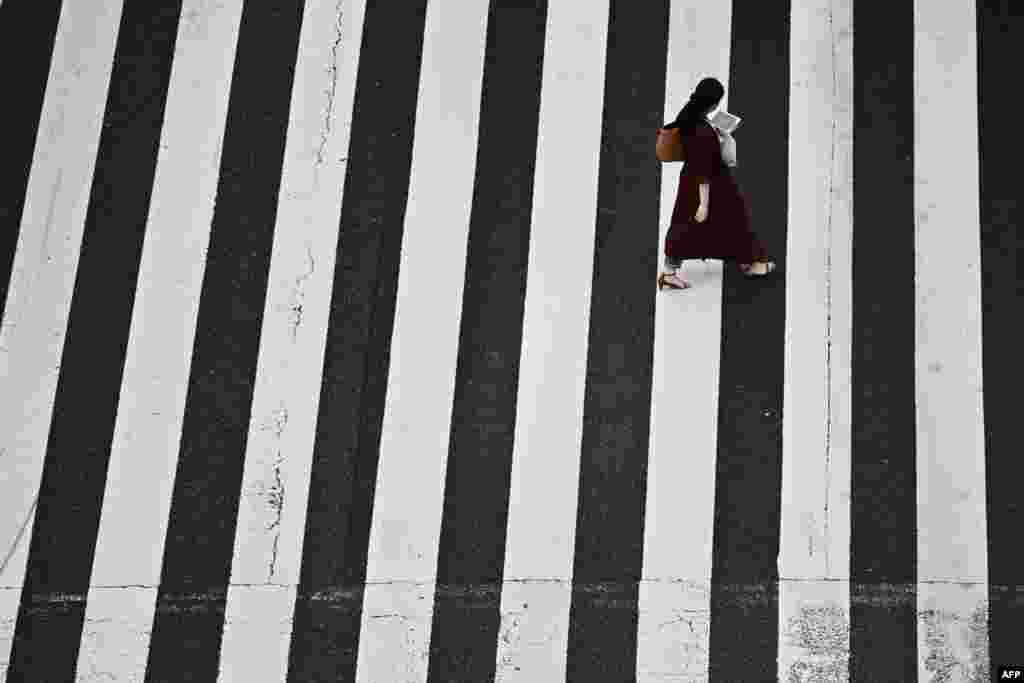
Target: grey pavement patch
883	595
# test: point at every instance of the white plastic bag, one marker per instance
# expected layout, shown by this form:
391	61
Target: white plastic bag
728	146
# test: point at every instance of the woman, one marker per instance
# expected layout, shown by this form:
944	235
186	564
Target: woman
700	229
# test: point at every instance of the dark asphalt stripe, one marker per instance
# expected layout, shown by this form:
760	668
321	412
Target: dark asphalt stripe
328	606
608	556
471	553
28	29
52	609
748	472
1000	27
883	501
198	549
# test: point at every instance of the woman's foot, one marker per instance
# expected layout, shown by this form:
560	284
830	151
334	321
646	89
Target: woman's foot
672	281
758	268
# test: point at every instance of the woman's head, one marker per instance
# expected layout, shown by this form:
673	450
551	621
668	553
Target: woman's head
705	97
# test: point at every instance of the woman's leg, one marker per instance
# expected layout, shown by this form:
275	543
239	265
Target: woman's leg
752	258
755	259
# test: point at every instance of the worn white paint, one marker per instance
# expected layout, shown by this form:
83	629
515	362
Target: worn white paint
814	630
406	525
951	543
814	554
279	451
673	628
144	452
43	277
952	632
535	598
115	635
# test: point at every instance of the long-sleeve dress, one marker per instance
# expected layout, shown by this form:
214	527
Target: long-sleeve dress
726	233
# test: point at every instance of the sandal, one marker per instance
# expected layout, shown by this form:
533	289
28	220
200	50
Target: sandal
672	281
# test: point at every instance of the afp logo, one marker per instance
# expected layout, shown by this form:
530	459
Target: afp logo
1010	673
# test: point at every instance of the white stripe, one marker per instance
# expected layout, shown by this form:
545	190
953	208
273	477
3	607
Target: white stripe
816	464
43	276
275	483
951	541
535	599
674	617
815	524
144	452
402	560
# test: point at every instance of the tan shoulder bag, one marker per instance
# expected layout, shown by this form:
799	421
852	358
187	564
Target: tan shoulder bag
669	145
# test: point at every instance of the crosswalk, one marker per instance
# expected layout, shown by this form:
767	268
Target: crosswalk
330	347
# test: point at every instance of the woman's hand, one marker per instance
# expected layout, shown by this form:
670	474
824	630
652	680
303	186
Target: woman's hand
702	213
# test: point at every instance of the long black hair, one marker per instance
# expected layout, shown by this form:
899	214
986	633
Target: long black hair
706	95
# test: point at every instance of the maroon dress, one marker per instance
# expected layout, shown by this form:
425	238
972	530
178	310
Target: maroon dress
726	233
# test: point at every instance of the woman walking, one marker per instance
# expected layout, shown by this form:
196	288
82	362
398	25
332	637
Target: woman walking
711	218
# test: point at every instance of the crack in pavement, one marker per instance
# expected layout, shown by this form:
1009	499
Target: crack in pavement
677	620
276	500
828	294
333	71
19	535
276	422
298	293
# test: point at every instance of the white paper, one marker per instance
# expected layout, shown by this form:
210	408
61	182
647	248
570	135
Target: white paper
725	122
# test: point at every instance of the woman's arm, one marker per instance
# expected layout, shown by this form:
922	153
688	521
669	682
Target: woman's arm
703	148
